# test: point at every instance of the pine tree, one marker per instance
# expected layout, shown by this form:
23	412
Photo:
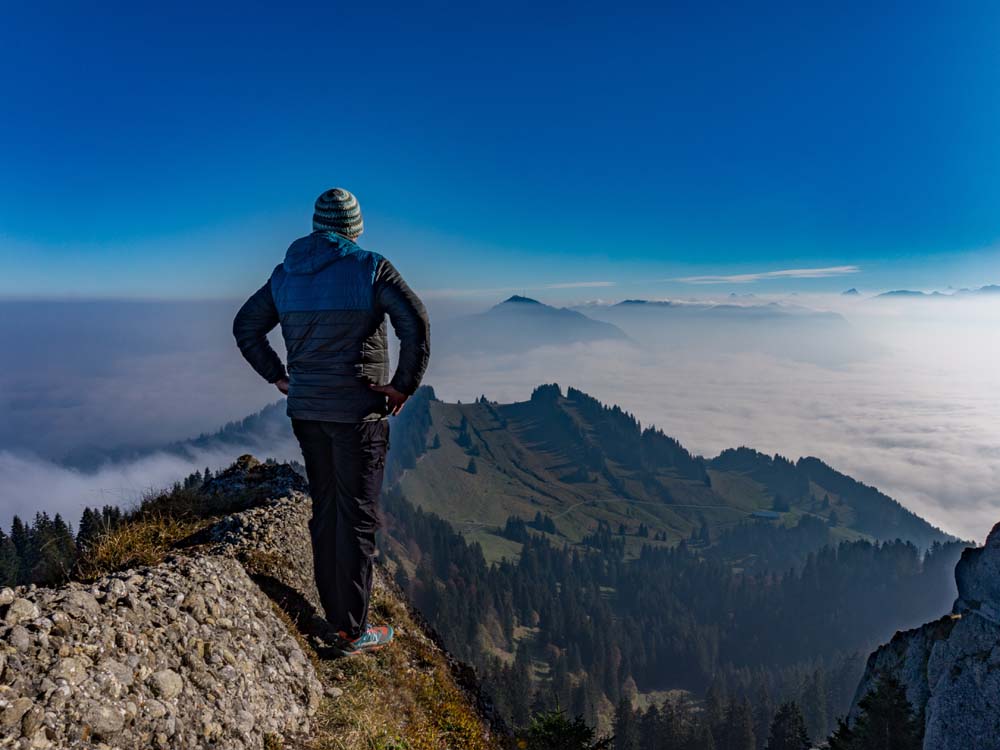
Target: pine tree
814	705
715	707
561	687
521	678
788	730
626	729
553	731
8	561
89	529
763	714
53	550
651	730
20	538
706	740
739	727
885	722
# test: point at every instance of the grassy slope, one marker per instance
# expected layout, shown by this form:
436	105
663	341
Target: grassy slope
526	463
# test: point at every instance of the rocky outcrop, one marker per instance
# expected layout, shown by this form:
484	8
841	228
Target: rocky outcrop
950	668
189	653
219	646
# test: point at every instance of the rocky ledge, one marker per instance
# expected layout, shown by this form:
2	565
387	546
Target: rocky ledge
220	645
951	667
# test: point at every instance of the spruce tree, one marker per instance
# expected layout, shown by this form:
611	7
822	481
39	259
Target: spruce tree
553	731
88	530
738	733
885	722
788	730
626	729
814	705
20	538
8	561
651	729
763	713
561	686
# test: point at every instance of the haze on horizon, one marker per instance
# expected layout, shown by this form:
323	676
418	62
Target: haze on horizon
915	416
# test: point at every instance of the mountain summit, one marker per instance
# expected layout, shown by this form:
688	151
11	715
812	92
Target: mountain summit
519	324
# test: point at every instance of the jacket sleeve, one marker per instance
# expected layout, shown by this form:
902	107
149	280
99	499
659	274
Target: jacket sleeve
409	321
255	319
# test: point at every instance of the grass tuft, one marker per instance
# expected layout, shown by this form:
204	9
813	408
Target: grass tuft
148	532
401	698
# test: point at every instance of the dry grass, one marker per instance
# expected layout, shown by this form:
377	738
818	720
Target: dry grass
152	529
401	698
144	541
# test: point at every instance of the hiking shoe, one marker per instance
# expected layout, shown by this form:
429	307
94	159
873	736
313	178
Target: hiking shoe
372	639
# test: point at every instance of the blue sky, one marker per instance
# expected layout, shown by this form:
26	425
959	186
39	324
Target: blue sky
565	150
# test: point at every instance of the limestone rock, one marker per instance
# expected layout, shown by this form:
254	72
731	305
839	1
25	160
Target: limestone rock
20	610
166	684
978	577
127	675
950	668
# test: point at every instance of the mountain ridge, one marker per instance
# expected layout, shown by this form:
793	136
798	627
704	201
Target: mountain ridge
573	456
518	441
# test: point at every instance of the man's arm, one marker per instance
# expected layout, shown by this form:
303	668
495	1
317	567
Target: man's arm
409	321
255	319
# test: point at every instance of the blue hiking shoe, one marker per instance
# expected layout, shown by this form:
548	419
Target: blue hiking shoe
372	639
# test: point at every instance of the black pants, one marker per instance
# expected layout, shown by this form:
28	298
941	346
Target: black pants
344	464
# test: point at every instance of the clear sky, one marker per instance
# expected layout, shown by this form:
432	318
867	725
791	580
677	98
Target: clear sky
568	150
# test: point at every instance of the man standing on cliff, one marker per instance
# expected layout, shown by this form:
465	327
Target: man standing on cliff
331	298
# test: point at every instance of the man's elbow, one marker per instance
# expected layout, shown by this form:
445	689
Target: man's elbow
239	328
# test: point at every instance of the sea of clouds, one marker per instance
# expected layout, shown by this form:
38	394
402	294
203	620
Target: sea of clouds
919	420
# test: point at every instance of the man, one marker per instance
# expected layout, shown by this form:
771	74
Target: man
331	298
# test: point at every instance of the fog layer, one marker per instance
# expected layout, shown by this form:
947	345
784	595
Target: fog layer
915	413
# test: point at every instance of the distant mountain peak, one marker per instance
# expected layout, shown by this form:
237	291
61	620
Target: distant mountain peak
518	299
639	302
852	292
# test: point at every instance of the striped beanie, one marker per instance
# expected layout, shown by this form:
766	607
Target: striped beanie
337	210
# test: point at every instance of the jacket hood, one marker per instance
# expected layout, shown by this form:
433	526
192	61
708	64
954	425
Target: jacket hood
316	251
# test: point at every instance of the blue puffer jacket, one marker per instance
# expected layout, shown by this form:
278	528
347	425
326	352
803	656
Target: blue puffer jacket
331	298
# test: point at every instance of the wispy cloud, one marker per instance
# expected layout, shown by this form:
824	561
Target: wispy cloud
478	291
578	284
787	273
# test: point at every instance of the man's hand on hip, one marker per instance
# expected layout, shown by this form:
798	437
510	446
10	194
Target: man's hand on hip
394	397
282	385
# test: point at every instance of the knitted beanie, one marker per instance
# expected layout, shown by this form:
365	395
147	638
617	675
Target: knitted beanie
337	210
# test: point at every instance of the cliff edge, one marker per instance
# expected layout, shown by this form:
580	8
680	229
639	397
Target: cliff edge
950	668
219	644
